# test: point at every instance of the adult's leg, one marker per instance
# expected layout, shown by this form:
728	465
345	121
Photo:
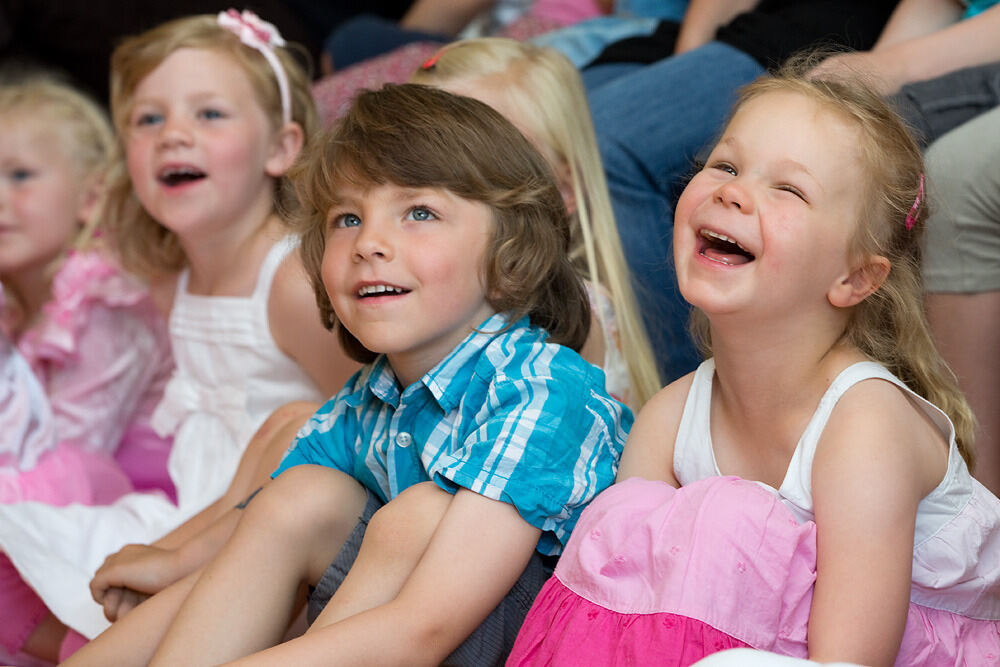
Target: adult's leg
651	124
962	272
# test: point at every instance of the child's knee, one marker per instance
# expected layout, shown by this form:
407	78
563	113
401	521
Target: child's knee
306	499
409	520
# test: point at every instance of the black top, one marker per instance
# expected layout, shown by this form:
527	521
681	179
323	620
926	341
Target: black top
772	31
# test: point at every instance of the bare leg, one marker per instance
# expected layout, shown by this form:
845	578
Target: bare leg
45	640
966	328
397	536
245	598
132	640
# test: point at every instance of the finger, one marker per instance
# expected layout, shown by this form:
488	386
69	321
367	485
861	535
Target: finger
112	598
130	601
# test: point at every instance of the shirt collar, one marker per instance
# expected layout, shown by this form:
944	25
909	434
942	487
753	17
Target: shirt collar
447	381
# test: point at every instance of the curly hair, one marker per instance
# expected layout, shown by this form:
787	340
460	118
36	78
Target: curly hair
421	137
542	91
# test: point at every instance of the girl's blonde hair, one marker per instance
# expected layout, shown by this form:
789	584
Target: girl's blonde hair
417	136
145	245
81	124
889	326
84	133
545	87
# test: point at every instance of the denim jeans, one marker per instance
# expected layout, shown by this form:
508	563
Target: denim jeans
652	122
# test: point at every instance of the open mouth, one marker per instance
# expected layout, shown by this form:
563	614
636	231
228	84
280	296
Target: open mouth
723	249
174	176
376	291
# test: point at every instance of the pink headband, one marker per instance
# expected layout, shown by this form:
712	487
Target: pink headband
911	217
262	36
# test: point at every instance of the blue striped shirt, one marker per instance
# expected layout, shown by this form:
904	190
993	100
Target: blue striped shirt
505	414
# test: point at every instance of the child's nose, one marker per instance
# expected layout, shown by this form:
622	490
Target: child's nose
735	193
373	242
175	132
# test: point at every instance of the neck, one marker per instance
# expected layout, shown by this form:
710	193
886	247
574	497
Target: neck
761	367
32	288
225	262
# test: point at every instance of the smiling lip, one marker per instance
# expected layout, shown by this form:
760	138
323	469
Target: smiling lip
720	248
380	290
178	175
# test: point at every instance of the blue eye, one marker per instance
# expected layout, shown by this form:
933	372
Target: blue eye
421	214
20	175
347	220
148	118
726	167
211	114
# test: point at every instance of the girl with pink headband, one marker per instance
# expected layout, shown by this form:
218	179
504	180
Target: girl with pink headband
211	111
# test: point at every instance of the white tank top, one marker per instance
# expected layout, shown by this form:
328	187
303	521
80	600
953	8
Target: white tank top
230	377
956	551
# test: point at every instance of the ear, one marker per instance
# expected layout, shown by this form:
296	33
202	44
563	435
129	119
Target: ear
855	287
285	148
565	181
90	199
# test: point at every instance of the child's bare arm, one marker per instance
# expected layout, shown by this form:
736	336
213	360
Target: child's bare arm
397	537
146	569
871	469
477	553
649	451
296	327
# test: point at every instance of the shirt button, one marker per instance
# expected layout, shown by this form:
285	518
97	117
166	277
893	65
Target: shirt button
404	439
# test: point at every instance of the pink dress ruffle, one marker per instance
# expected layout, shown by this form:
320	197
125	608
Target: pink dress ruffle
102	356
665	576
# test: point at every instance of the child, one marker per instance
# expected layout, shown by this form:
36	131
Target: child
211	111
90	334
540	91
436	236
543	96
863	537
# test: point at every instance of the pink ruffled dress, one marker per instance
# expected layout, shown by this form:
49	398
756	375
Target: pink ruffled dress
100	354
665	576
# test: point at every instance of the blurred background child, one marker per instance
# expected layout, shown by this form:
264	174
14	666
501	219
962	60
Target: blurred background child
90	333
211	111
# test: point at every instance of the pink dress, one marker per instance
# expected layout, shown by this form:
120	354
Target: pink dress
665	576
101	355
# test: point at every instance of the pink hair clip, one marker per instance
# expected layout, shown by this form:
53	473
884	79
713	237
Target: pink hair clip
262	36
430	62
911	217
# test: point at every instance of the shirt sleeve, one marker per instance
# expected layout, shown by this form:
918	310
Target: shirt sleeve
546	445
322	440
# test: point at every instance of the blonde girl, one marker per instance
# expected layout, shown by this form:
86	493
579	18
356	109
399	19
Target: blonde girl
540	92
211	111
90	334
825	508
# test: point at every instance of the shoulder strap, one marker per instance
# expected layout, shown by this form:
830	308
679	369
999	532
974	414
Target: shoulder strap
275	256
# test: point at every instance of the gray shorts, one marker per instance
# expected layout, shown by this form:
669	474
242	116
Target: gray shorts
962	251
490	643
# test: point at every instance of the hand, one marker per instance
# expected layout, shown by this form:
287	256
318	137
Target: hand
141	568
881	72
120	601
